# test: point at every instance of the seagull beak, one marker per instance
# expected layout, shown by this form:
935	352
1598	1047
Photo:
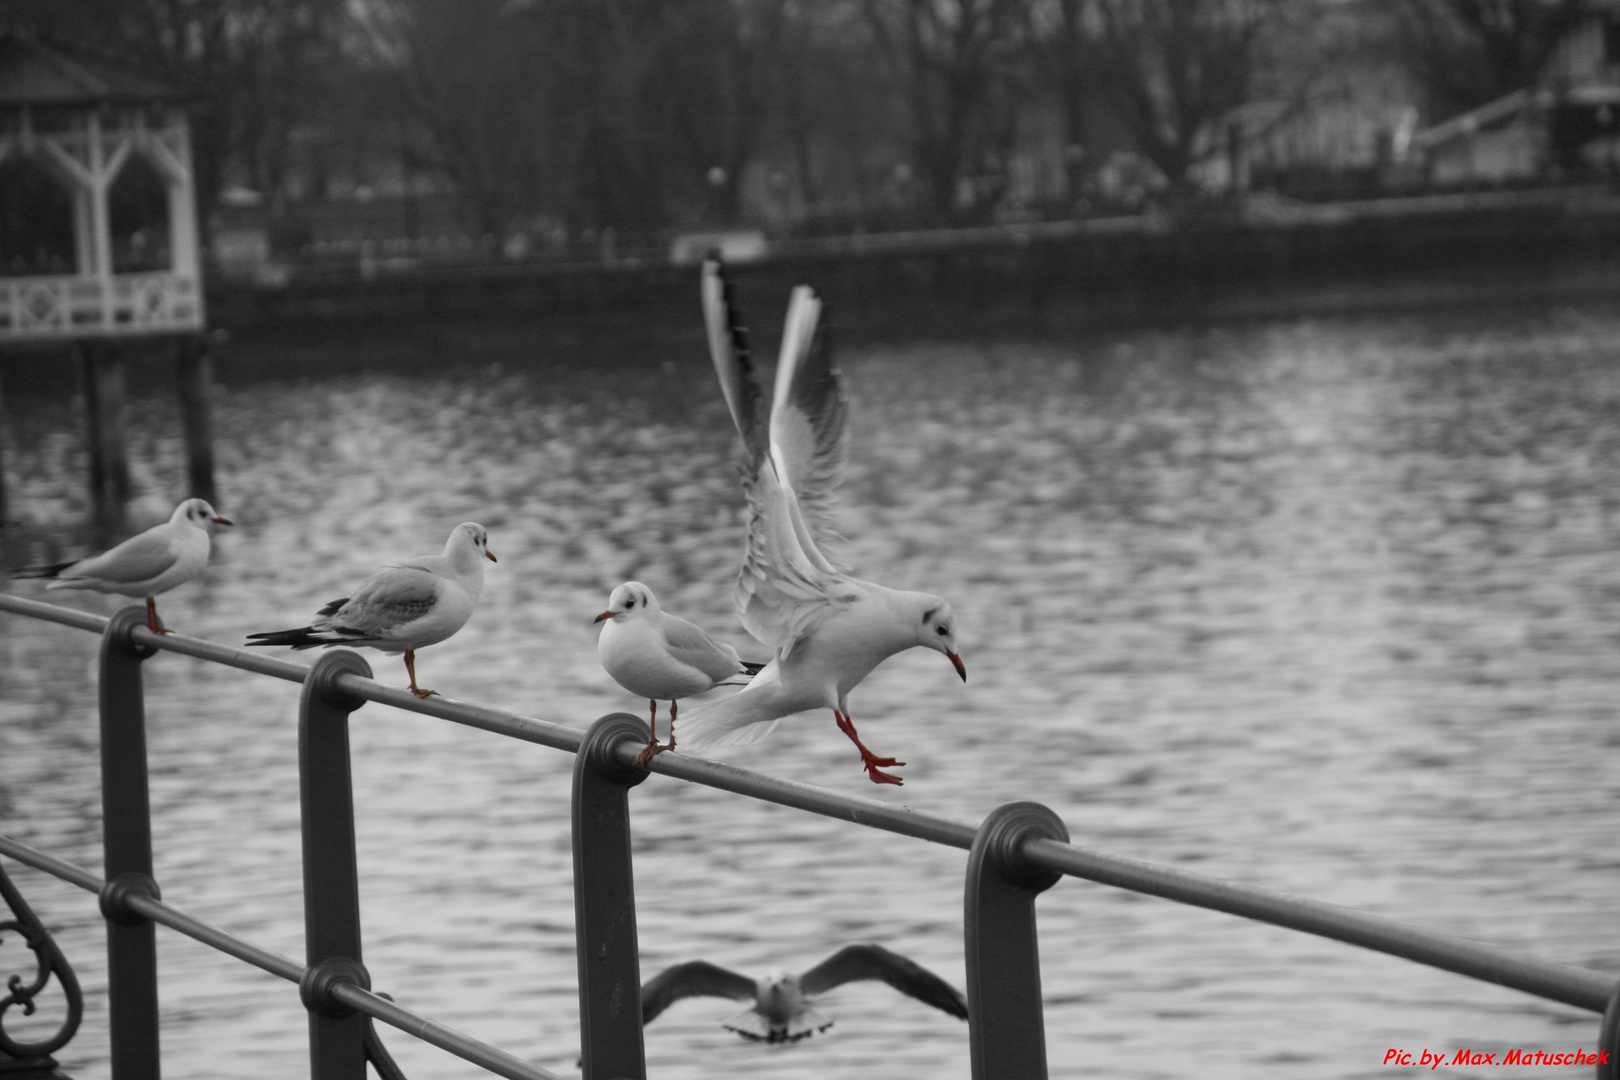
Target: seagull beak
490	555
222	521
957	662
599	618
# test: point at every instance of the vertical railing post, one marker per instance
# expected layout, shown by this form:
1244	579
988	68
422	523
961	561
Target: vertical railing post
337	1034
605	903
126	827
1006	1027
1608	1066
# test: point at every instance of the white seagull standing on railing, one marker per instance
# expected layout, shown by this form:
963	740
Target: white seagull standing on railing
146	564
403	607
661	657
828	629
780	1011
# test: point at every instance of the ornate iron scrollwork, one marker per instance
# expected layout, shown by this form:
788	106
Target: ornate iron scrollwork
48	961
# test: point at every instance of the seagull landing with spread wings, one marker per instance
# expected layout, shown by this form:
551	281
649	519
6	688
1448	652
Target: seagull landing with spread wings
146	564
828	630
780	1011
403	607
658	656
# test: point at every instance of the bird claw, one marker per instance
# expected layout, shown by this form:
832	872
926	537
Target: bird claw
422	693
648	752
878	776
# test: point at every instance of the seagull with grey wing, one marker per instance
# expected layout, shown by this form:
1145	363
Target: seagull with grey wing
827	629
781	1011
403	607
146	564
659	656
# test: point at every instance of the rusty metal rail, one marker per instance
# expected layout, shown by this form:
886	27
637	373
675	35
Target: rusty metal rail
1020	850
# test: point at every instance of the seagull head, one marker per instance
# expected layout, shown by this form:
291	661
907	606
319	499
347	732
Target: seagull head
468	543
199	513
778	998
629	601
937	630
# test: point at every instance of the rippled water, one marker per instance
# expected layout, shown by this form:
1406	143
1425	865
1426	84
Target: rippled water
1326	607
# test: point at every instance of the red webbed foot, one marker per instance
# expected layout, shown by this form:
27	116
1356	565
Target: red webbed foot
878	776
873	764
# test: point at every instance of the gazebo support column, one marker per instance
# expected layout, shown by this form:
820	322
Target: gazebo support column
194	377
104	392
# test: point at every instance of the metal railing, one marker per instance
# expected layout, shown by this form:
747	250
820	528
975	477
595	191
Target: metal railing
1018	851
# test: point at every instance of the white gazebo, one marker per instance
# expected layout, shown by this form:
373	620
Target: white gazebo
98	235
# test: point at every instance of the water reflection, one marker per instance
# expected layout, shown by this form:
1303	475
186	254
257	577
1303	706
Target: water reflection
1328	607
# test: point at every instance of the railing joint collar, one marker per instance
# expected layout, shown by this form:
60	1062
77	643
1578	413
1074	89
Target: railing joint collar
599	751
317	989
1004	835
116	895
121	629
325	679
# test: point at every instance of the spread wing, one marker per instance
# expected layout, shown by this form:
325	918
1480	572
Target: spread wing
853	963
388	601
783	588
808	411
143	556
689	645
695	978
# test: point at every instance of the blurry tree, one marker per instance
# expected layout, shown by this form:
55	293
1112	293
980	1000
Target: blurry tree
260	68
621	114
1063	39
1468	52
1175	68
954	61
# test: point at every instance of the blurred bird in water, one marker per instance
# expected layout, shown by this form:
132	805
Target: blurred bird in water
146	564
661	657
403	607
780	1011
827	629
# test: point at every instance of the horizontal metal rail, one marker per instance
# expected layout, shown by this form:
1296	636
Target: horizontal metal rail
1035	852
364	1001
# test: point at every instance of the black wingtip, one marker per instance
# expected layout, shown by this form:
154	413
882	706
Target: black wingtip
752	668
47	571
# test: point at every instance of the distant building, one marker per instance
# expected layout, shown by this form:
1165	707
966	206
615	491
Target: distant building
1566	126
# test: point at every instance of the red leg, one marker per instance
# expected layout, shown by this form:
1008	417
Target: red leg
153	623
410	666
653	747
873	764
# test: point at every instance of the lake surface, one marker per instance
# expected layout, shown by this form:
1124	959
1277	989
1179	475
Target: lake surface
1329	607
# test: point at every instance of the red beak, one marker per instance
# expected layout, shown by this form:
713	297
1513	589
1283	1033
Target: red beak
490	555
221	521
957	661
599	618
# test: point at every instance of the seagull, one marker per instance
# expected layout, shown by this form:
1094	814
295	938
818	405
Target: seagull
403	607
146	564
828	630
657	655
780	1011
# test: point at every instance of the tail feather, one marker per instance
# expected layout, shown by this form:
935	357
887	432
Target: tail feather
48	570
304	637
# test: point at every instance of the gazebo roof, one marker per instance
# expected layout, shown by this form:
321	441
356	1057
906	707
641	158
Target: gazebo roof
34	73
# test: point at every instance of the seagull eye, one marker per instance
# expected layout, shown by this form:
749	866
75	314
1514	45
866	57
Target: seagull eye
629	603
944	630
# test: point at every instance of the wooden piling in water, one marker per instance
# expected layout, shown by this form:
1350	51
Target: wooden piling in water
104	392
194	378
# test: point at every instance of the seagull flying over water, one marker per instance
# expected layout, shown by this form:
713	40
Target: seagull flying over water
659	656
403	607
828	630
146	564
780	1011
